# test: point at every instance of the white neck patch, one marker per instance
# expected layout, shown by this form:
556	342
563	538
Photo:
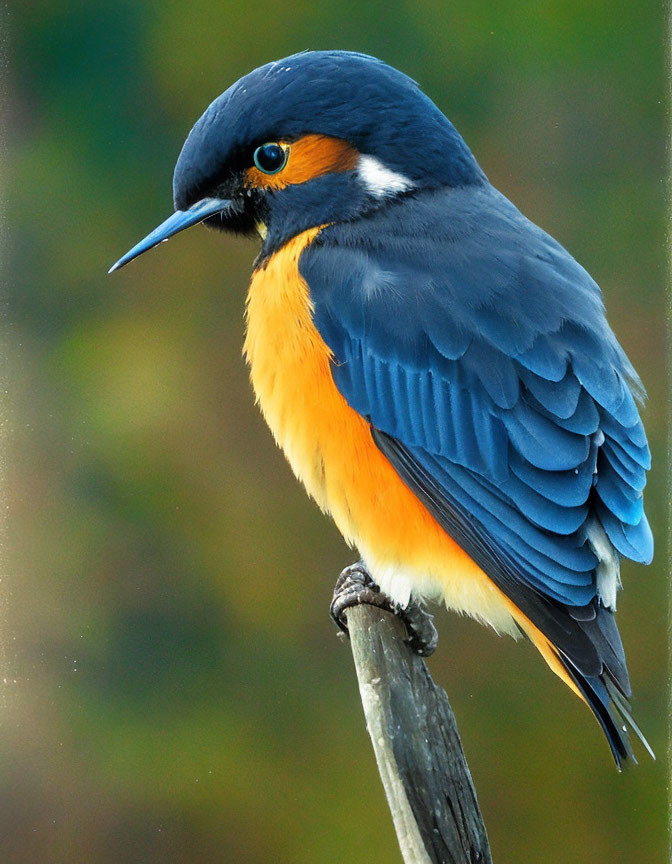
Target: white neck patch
380	180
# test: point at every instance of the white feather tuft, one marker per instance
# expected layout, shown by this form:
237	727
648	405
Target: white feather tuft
608	567
379	179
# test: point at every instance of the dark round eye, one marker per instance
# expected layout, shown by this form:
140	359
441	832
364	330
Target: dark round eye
270	158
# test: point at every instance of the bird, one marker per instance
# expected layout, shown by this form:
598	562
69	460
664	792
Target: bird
437	369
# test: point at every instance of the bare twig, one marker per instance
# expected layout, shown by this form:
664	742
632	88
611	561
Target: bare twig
417	746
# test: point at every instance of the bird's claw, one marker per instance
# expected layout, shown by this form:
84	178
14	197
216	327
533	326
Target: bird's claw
355	586
423	636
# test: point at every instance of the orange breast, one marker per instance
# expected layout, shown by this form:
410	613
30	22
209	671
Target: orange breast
331	450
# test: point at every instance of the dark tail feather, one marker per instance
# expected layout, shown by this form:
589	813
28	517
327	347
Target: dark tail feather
612	711
622	706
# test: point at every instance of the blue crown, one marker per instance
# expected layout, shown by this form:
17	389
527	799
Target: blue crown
378	109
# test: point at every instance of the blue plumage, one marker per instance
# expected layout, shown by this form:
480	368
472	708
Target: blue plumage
559	398
567	488
473	343
486	330
333	93
493	383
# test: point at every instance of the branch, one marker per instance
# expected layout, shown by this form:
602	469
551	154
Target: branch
417	746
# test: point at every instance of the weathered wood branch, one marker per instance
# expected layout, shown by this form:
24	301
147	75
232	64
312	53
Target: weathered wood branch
417	745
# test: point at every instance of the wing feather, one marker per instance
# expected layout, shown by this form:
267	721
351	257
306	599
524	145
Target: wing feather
479	352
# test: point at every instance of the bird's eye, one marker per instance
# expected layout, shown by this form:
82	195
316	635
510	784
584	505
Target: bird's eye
271	158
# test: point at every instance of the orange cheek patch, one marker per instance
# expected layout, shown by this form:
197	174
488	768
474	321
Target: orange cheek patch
309	157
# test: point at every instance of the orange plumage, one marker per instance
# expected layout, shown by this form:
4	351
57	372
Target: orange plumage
330	449
309	157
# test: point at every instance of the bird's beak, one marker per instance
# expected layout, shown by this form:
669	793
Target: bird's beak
180	220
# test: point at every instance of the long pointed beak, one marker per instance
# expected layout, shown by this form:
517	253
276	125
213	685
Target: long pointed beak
180	220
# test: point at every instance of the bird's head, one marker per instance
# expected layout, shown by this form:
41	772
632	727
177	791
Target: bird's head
319	137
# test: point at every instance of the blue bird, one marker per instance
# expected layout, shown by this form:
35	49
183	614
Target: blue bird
438	370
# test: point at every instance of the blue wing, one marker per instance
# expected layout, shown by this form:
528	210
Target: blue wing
479	351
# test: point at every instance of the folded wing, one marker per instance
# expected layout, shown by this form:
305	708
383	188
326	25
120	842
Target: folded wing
479	351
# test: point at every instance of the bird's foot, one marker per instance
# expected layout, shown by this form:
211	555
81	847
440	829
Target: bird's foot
355	586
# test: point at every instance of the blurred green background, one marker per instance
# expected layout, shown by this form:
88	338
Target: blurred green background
174	690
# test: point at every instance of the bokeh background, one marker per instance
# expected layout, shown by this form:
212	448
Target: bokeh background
173	689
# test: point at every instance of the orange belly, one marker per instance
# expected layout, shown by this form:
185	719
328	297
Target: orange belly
330	449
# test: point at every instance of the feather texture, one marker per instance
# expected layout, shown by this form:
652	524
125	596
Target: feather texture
495	387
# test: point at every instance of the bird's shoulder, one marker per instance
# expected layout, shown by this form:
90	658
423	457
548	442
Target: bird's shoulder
461	273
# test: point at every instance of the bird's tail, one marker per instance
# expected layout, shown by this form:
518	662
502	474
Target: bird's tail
611	708
606	693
